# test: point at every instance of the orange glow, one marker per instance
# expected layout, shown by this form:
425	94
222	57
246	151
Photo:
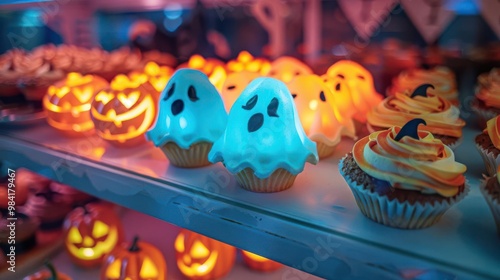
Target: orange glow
67	102
246	62
234	85
213	68
356	82
286	68
259	263
158	76
122	116
202	258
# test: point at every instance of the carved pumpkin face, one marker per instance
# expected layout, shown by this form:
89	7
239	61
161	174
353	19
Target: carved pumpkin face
124	112
67	102
286	68
156	75
136	261
360	84
90	233
213	68
259	263
246	62
202	258
234	85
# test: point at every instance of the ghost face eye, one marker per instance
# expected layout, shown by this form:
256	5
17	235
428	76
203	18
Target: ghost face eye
192	94
170	92
250	103
294	95
361	77
272	108
322	96
340	76
337	87
231	87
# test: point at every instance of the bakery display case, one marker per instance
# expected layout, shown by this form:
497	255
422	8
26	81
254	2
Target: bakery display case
331	139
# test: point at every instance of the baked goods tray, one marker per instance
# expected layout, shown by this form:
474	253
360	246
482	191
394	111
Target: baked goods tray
315	226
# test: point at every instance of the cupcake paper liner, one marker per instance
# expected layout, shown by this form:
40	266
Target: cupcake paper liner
493	203
195	156
279	180
490	160
324	150
397	214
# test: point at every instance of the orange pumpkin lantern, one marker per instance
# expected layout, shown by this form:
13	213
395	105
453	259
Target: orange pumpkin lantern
234	85
67	102
359	83
124	112
286	68
156	75
90	233
202	258
259	263
49	273
213	68
318	114
136	261
246	62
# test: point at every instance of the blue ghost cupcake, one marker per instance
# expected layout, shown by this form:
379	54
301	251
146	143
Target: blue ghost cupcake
191	117
264	143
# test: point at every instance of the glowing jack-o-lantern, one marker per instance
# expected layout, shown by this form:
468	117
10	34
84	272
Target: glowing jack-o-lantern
318	113
136	261
156	75
124	112
213	68
286	68
359	82
202	258
259	263
90	233
67	102
246	62
234	85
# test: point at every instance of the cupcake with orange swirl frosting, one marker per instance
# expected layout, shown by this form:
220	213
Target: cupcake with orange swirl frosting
441	77
487	103
442	118
488	145
490	188
404	177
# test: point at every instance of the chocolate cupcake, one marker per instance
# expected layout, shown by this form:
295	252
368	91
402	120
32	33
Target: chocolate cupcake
490	188
49	207
404	178
488	145
25	229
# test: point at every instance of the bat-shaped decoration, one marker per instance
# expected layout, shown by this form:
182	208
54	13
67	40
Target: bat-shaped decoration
421	90
410	129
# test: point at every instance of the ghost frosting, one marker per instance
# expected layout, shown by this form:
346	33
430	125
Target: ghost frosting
190	111
264	132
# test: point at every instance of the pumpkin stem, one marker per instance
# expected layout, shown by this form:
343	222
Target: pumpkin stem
52	269
134	247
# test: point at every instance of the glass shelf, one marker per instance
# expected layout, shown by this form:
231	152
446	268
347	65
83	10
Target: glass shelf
315	226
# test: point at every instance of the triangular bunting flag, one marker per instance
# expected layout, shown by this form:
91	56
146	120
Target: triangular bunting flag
366	15
490	9
430	17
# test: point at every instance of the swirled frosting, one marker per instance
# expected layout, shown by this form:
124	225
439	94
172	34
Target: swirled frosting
488	88
442	78
425	164
441	116
493	130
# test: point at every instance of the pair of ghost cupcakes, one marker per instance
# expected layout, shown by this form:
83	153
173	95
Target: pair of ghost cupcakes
262	142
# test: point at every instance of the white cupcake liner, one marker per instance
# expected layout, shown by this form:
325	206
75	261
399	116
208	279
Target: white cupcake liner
490	160
398	214
493	203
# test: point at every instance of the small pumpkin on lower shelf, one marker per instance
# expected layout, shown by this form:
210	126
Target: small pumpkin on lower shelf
259	263
49	273
135	261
